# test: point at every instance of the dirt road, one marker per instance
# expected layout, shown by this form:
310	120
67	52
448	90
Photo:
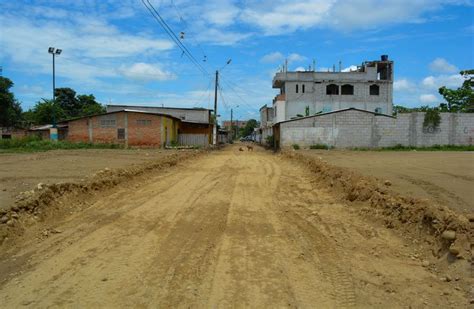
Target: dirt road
230	229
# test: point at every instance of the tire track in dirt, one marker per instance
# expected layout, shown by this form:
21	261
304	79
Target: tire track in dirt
232	229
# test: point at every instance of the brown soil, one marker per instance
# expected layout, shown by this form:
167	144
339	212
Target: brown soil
237	229
444	177
23	171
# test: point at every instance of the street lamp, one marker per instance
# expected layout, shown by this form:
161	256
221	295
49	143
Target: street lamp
53	132
53	51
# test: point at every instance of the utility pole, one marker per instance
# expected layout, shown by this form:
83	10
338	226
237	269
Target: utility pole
214	135
231	126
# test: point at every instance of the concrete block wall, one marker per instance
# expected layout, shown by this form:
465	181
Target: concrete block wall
353	128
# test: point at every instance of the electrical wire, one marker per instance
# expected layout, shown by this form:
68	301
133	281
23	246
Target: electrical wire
185	24
173	35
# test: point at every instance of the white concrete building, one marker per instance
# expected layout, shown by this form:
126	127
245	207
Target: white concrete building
369	87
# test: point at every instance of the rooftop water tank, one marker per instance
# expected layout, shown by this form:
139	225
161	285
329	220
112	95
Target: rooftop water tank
384	57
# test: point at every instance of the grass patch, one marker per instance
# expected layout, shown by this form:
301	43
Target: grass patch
296	146
35	144
410	148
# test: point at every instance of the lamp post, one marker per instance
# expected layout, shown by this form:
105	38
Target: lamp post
53	131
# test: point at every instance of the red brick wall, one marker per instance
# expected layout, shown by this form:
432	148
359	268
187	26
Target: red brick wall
78	130
144	135
139	134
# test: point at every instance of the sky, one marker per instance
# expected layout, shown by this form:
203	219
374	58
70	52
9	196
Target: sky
118	52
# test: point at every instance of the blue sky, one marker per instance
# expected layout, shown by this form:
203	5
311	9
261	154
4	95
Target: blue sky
118	52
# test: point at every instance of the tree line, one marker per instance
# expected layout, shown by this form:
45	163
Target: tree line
457	100
67	105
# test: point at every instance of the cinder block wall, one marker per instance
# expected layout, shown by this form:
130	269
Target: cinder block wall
360	129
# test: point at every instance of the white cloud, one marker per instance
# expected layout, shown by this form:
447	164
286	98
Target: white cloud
435	82
428	98
222	12
350	68
300	69
272	57
404	85
146	71
91	48
441	65
286	16
279	57
294	57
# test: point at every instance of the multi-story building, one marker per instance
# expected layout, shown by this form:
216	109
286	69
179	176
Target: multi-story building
369	87
239	124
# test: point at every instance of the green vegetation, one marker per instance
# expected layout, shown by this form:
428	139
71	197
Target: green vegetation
458	100
400	147
34	144
10	109
461	99
67	105
432	119
270	141
249	127
296	146
320	146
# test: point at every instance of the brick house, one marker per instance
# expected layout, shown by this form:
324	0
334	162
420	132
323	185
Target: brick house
128	127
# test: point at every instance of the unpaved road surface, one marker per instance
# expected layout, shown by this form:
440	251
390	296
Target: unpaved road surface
228	229
23	171
445	177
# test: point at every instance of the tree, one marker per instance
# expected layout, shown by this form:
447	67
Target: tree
45	112
461	99
249	127
10	109
66	98
89	106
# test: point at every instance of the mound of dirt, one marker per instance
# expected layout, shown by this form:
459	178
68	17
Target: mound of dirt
47	200
446	231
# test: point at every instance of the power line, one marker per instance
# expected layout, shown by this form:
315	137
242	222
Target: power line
237	94
185	24
173	36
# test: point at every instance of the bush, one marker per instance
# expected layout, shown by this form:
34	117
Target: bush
320	146
270	141
296	146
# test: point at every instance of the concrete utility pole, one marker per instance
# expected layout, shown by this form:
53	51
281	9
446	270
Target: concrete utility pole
231	126
214	135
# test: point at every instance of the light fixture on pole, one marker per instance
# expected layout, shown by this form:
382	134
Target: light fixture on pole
53	133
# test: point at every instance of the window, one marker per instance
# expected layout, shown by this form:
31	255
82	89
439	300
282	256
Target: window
302	88
374	90
107	123
296	88
378	110
120	133
143	122
332	89
347	89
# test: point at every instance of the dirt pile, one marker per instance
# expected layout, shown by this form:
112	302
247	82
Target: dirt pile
444	230
47	200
